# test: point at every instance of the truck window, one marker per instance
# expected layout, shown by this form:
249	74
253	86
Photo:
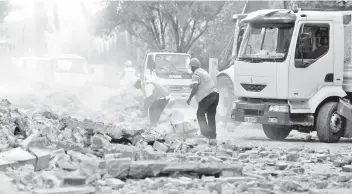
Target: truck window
150	63
265	42
313	41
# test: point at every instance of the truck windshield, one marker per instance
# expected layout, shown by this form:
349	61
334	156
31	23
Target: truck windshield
70	66
171	64
266	42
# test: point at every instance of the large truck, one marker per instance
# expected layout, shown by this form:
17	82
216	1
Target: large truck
294	72
225	77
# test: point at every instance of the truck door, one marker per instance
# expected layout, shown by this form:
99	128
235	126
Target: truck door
311	64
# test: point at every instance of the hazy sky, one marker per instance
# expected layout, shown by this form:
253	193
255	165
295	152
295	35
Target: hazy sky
68	9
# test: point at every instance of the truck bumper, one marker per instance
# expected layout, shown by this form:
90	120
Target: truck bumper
259	113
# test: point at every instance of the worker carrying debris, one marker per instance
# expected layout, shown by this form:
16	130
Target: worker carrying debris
156	100
205	92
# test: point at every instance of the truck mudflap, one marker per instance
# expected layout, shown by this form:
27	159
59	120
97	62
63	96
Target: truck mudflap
345	110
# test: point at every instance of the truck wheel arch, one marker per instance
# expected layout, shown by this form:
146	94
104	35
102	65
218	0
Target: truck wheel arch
322	96
328	99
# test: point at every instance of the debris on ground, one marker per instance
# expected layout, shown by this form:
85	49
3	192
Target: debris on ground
46	152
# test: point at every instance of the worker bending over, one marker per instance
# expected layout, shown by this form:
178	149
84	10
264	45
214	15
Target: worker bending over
156	99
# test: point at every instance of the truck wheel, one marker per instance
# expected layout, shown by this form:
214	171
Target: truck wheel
276	132
329	124
226	98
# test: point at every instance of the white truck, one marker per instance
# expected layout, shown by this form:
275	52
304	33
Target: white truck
71	70
294	71
225	78
168	69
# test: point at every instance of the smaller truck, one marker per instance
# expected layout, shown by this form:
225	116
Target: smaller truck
168	69
70	70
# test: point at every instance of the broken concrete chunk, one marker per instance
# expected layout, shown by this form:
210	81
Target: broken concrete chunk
66	190
145	168
322	156
175	145
293	157
43	158
93	177
298	170
344	178
320	184
74	181
51	179
78	137
149	154
160	147
180	167
67	166
115	183
214	159
72	123
112	156
291	186
119	167
347	168
281	165
338	163
19	157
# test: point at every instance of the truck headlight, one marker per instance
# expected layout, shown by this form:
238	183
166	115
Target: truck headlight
278	108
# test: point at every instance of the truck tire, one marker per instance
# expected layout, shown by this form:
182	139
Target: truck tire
326	127
276	132
226	98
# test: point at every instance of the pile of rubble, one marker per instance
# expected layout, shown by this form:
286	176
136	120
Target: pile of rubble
49	154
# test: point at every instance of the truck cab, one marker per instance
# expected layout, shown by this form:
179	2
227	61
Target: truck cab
290	72
70	70
170	70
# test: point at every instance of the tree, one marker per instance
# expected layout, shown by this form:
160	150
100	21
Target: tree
4	10
323	4
160	24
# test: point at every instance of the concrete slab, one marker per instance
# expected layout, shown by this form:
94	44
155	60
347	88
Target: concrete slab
66	190
18	157
5	163
43	158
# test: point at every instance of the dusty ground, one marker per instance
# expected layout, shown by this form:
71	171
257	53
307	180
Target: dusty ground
319	175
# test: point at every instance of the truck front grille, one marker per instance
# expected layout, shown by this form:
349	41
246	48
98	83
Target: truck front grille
250	112
253	87
179	89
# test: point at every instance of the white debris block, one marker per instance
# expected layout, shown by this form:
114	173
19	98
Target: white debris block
115	183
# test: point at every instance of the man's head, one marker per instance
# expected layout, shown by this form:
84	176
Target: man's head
194	64
128	63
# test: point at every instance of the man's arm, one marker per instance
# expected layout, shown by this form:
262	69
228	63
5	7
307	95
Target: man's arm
194	87
149	97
